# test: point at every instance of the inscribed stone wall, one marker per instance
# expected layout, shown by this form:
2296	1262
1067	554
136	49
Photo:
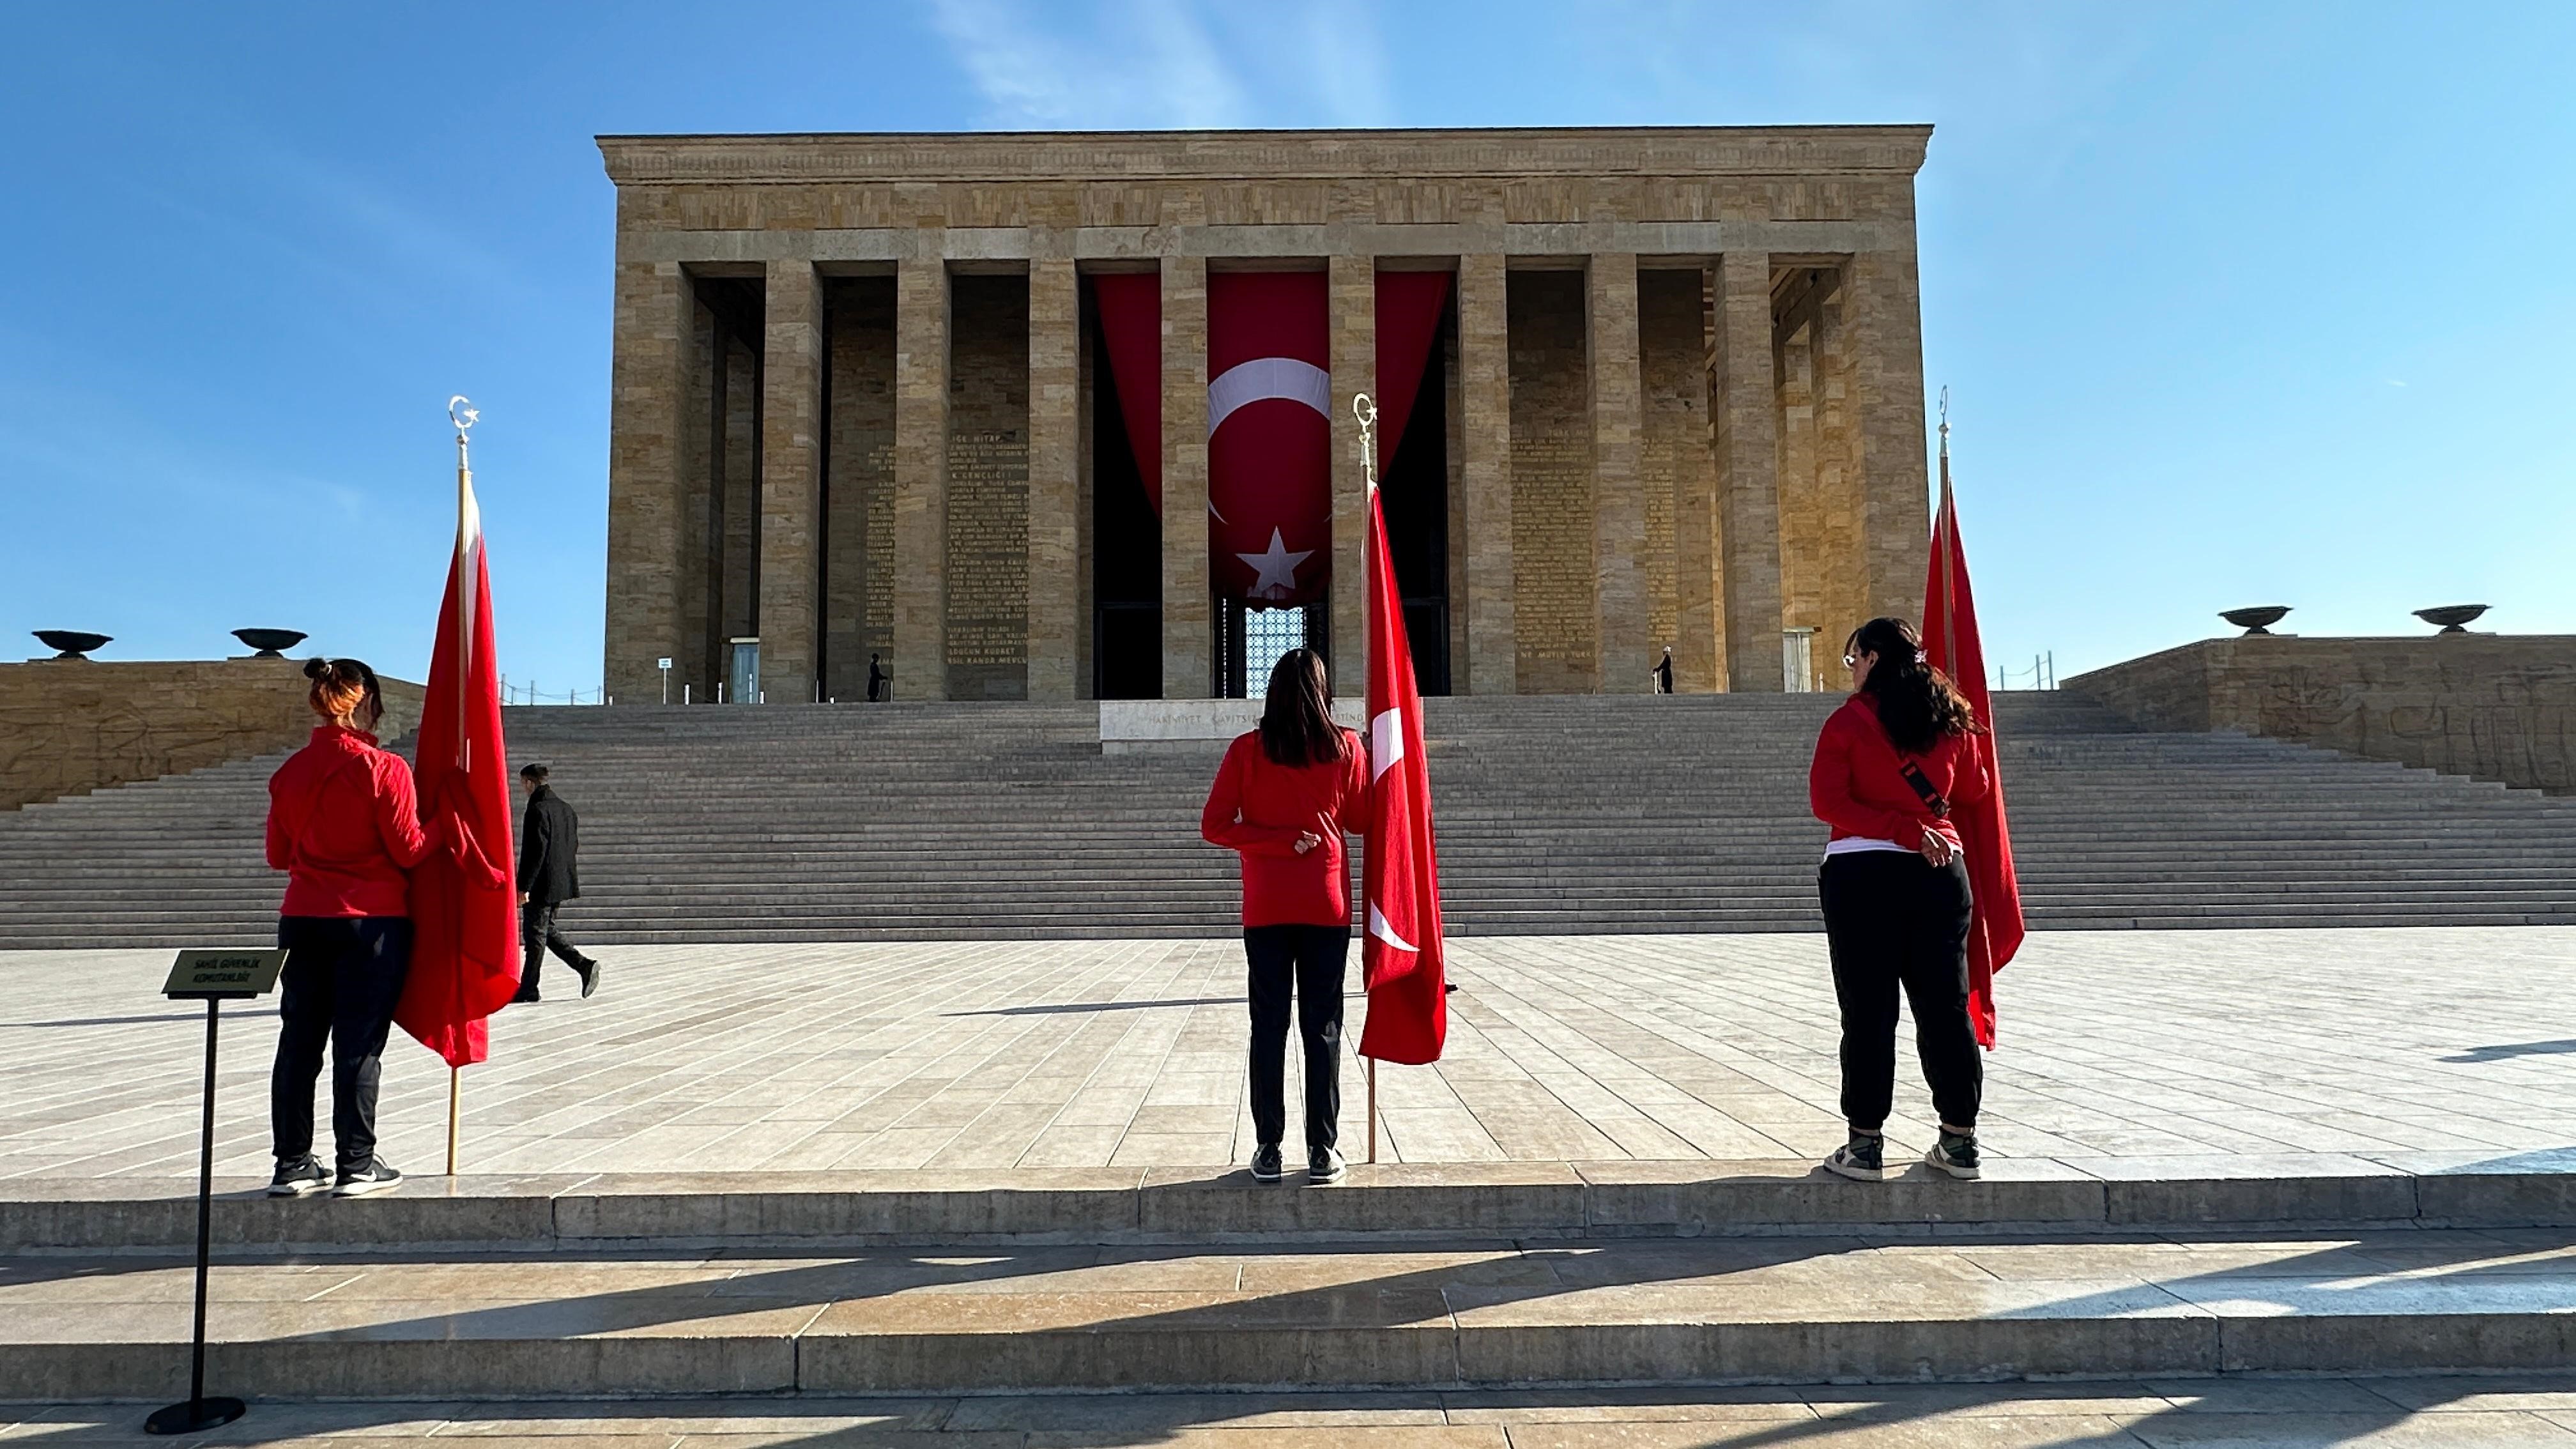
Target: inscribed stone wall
858	611
740	482
988	489
694	670
1558	647
70	726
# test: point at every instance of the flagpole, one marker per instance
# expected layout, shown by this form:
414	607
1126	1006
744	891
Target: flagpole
1364	408
462	413
1945	535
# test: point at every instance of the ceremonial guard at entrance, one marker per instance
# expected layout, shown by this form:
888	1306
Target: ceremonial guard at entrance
549	840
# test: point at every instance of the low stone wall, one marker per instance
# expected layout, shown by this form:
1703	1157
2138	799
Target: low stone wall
2490	706
69	726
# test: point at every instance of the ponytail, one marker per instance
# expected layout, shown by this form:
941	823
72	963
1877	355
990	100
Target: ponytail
341	688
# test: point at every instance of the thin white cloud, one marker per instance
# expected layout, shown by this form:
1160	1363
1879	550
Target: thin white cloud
1150	65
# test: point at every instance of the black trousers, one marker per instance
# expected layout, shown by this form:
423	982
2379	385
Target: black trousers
1892	919
343	976
1312	958
537	935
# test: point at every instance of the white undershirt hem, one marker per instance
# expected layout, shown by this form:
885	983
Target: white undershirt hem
1855	844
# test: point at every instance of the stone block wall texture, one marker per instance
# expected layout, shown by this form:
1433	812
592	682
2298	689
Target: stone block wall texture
761	484
71	726
2490	706
1557	631
988	488
858	486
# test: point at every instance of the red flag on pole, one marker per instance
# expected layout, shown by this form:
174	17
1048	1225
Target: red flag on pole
1400	958
464	900
1951	644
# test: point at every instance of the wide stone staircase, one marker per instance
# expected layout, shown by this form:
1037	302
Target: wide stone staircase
1573	814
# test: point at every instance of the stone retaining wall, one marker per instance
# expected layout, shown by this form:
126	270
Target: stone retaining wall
2489	706
69	726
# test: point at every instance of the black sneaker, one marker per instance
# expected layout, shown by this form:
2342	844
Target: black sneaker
373	1175
1265	1163
300	1178
1955	1154
1861	1159
1323	1164
589	977
526	994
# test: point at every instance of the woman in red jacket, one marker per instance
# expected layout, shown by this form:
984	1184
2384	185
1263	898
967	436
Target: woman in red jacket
1283	799
1889	765
343	825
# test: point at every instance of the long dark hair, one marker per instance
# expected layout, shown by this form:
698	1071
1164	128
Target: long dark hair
1917	703
1297	713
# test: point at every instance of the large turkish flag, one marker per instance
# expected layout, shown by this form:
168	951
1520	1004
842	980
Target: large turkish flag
1270	398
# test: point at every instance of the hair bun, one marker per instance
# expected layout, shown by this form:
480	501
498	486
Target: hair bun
316	667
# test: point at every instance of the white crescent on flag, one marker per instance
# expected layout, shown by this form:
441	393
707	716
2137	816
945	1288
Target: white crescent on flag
1268	377
1379	928
1386	744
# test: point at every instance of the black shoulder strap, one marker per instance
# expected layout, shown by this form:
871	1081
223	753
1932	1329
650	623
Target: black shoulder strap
1932	799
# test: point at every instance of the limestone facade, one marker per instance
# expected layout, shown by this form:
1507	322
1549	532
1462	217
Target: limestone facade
70	726
860	406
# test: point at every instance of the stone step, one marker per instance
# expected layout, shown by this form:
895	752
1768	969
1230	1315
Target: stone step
1353	1314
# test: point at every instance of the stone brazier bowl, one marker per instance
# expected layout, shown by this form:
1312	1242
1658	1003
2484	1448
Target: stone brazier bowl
269	641
2453	618
73	643
2257	620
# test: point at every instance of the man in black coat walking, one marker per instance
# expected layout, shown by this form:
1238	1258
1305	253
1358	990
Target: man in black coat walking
548	844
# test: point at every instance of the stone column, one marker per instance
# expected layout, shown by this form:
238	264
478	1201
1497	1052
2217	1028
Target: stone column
1883	306
1847	591
791	484
1698	657
1491	662
1352	352
920	663
1749	466
1189	643
1055	346
1618	489
1802	509
647	385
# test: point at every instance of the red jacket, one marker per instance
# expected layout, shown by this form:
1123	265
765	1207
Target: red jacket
1858	787
343	825
1259	809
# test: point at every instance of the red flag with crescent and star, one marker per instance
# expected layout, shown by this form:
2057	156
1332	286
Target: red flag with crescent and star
1269	400
464	899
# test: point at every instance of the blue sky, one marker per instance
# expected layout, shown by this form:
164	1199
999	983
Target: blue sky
2237	304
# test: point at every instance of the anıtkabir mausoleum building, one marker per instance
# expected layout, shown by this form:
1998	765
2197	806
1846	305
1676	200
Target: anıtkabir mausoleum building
1068	416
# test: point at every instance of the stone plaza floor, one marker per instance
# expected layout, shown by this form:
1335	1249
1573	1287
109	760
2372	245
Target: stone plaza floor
751	1058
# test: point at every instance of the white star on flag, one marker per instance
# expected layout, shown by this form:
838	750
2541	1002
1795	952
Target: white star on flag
1278	568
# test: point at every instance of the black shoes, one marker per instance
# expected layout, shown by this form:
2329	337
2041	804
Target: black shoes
1862	1159
1955	1154
1324	1164
301	1178
526	995
372	1175
589	971
1265	1163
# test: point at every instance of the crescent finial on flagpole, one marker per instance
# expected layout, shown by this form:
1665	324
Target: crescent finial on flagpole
1365	409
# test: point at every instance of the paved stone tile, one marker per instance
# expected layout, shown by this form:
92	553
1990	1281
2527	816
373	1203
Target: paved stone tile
2236	1051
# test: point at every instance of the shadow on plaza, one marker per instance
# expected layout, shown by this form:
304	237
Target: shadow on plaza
1064	1007
2316	1282
2506	1051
